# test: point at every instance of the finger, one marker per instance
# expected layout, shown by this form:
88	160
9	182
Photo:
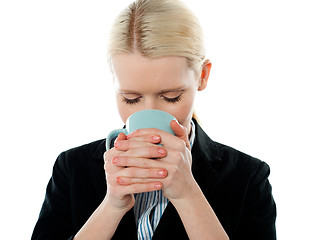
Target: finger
145	152
125	161
176	158
142	187
135	172
124	145
108	155
181	132
167	139
120	137
111	168
144	131
151	138
125	181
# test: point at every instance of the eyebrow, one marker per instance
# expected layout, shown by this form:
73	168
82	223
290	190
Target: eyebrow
127	91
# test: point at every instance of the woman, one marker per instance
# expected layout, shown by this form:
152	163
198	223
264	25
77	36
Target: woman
186	187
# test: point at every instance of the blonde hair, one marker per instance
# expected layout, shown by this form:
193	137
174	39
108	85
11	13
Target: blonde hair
158	28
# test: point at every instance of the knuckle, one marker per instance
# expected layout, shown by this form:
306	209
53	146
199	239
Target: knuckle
181	144
106	155
109	180
173	170
106	166
178	156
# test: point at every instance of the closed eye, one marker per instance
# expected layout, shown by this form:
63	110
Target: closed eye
172	100
131	101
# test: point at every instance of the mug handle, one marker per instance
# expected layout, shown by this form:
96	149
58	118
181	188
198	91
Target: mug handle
112	135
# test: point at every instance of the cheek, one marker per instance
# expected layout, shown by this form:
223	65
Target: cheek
123	114
123	110
184	112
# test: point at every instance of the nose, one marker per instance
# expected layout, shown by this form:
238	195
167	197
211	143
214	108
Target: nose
151	104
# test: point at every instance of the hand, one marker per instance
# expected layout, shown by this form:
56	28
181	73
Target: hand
119	195
177	162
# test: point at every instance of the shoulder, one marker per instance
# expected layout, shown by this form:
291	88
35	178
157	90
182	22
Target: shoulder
239	159
240	164
81	156
225	161
86	149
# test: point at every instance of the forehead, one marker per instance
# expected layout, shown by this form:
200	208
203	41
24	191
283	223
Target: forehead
133	71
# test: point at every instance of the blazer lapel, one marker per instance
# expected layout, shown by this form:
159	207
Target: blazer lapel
170	225
206	160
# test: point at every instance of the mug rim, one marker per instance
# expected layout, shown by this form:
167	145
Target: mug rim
151	110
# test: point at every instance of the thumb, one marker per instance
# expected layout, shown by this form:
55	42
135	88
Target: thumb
120	137
180	132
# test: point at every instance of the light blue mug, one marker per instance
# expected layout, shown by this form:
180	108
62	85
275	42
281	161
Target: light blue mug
149	118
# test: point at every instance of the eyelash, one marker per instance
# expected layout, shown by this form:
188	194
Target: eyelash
136	100
131	101
172	100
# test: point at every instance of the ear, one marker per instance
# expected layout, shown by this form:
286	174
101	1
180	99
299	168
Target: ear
204	75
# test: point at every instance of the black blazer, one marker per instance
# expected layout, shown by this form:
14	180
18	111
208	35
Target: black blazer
235	185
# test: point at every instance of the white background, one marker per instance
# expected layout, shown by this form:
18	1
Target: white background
56	92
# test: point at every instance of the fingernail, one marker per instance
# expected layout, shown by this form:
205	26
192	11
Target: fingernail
115	160
162	172
158	185
155	138
161	151
119	180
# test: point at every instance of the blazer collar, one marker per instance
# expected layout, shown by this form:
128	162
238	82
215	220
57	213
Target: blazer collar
205	150
206	160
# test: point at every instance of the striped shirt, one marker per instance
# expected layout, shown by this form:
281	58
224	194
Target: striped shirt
149	206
